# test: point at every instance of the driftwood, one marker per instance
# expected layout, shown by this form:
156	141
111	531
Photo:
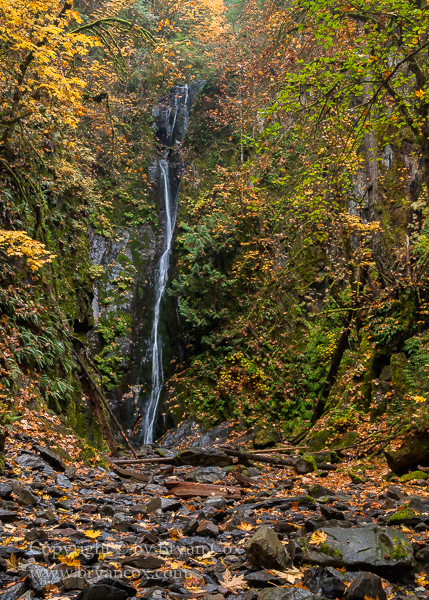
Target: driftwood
282	450
243	480
424	469
131	474
299	464
142	461
185	489
289	462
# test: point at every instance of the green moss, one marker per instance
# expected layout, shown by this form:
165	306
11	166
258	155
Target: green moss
413	475
307	500
317	441
309	458
399	550
329	551
403	516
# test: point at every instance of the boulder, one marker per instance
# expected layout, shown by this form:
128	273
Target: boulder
208	529
205	475
377	549
413	451
14	592
264	549
40	578
143	561
326	582
318	491
287	593
51	458
63	481
107	589
27	498
33	462
73	582
5	490
199	457
265	436
7	551
366	585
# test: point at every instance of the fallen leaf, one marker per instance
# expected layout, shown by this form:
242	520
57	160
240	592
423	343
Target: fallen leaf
317	538
93	535
232	582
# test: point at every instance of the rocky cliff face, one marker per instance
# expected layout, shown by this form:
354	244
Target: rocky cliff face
125	295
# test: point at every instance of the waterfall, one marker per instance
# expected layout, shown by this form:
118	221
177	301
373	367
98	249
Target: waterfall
170	126
160	285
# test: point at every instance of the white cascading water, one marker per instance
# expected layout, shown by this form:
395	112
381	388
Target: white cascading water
160	285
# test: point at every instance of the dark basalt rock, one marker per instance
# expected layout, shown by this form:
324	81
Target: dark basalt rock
288	593
366	585
51	458
14	592
265	550
196	457
5	490
39	578
381	550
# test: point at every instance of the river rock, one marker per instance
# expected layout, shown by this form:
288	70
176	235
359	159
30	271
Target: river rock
14	592
33	462
377	549
107	589
265	550
205	475
51	458
27	498
5	490
7	551
196	457
63	481
143	562
413	451
366	585
326	582
73	582
39	578
287	593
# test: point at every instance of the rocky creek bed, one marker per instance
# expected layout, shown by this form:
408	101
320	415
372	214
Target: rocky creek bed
196	531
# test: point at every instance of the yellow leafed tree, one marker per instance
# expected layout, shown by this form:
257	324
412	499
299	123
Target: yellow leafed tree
18	243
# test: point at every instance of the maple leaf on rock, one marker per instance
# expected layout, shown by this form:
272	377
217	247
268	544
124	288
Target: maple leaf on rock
317	538
232	582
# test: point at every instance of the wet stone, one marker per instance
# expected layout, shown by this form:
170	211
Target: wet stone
265	550
40	578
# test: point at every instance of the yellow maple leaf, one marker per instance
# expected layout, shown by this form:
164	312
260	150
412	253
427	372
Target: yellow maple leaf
70	559
93	535
317	538
245	526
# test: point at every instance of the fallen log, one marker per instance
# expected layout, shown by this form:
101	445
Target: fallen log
185	489
282	450
289	462
131	474
243	480
167	460
300	464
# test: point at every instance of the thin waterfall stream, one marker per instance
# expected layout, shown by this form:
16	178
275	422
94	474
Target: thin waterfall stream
172	122
160	285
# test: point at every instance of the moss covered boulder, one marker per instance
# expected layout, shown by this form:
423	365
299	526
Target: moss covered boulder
381	550
413	451
405	516
265	436
413	476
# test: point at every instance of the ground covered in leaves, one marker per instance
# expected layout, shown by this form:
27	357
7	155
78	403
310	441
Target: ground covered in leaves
203	525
